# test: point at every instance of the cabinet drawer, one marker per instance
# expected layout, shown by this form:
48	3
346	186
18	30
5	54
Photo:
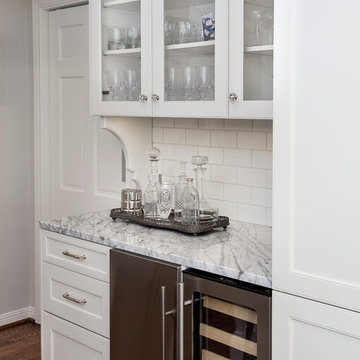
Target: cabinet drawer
76	254
77	298
63	340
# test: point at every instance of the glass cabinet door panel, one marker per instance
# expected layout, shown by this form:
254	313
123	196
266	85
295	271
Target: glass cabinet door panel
121	48
251	58
121	57
226	330
190	57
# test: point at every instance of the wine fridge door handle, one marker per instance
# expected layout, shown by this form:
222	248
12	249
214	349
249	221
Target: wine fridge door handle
163	324
180	320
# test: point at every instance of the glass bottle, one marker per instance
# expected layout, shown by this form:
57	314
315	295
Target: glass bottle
151	198
154	157
191	205
207	211
179	189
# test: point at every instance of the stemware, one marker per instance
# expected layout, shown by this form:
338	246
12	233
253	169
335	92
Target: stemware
205	83
172	84
134	36
133	83
189	82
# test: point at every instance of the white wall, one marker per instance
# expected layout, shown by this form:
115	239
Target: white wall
16	160
239	176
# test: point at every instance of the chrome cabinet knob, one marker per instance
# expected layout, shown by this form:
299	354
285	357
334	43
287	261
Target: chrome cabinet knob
155	97
143	98
233	97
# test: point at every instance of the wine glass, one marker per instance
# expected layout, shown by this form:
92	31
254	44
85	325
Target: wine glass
133	37
205	82
133	84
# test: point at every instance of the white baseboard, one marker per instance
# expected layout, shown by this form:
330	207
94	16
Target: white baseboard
17	315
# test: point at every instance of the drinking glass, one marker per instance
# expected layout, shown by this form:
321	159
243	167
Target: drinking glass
117	39
205	83
134	37
171	32
198	34
166	199
189	81
133	82
117	84
172	83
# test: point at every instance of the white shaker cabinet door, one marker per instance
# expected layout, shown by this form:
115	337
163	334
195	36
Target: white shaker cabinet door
308	330
63	340
316	227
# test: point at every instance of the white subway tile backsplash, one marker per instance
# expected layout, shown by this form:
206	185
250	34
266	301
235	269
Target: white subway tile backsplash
157	135
251	177
262	125
174	136
269	141
211	124
262	159
239	158
185	152
235	124
226	139
238	179
198	137
251	140
240	193
225	207
163	122
214	190
166	150
269	180
215	155
261	197
186	123
223	174
252	214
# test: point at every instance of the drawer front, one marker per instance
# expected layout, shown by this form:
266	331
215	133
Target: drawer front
75	254
63	340
77	298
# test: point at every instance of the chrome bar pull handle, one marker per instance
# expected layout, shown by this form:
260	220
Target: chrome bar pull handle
180	321
163	324
77	301
233	97
78	257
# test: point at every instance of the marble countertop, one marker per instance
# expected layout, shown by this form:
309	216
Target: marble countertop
242	252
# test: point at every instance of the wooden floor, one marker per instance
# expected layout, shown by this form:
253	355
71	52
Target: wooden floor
20	342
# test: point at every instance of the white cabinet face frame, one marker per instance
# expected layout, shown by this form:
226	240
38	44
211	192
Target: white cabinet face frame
304	330
119	108
242	108
216	108
316	184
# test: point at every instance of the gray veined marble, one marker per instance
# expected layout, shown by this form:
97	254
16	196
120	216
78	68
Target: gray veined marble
242	252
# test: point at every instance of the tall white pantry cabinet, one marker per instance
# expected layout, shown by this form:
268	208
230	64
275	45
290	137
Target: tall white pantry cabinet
316	227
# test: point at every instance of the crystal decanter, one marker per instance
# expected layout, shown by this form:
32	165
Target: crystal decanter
207	211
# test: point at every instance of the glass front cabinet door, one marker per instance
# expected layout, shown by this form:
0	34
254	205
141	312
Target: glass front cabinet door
251	29
190	58
121	71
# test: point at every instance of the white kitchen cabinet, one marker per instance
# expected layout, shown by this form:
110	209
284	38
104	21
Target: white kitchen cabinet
64	340
308	330
120	57
251	59
182	75
316	191
190	74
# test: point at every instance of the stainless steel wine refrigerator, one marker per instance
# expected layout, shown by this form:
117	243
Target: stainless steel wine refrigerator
159	312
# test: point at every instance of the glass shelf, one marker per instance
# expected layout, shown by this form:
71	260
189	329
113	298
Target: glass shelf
127	5
201	47
123	52
260	50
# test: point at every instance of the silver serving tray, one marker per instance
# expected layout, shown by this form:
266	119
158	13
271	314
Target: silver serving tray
170	224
